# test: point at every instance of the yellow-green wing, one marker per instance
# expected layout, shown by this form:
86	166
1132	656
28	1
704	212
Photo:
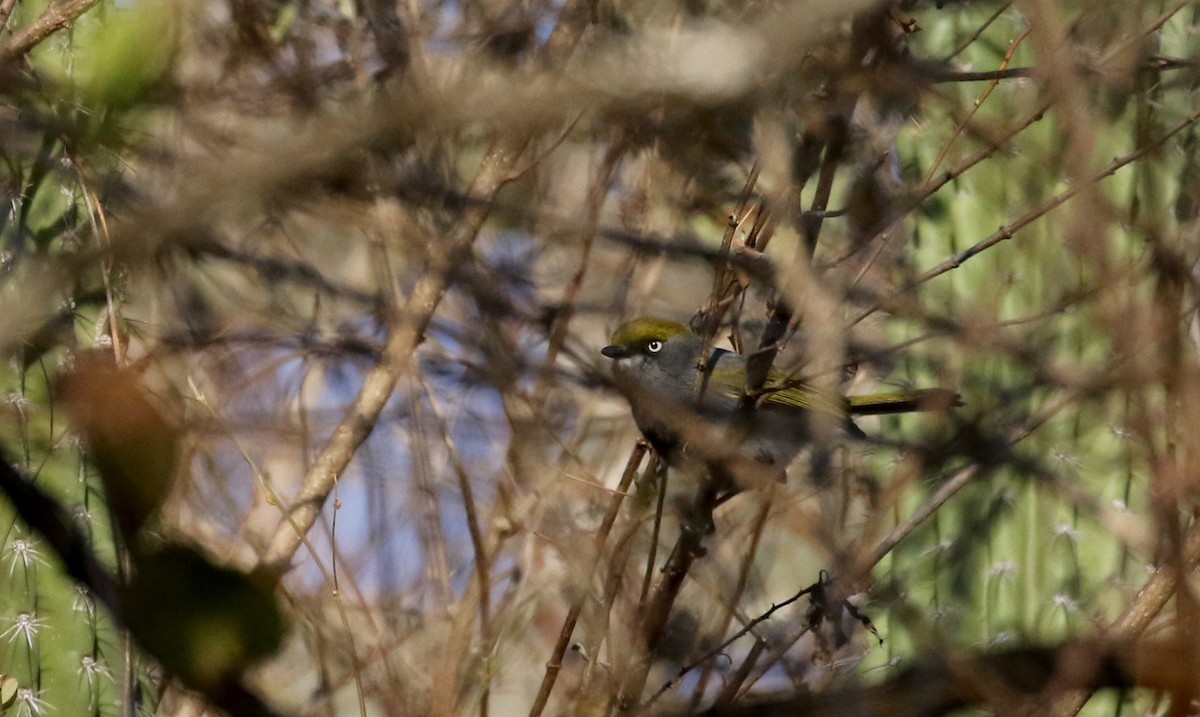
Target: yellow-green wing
875	404
799	397
921	399
802	397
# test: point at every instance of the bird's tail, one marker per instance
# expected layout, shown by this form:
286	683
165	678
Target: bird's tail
921	399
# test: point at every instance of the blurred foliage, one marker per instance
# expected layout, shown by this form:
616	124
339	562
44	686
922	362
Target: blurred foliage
348	265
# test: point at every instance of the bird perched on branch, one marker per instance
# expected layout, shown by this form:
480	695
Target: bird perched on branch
656	364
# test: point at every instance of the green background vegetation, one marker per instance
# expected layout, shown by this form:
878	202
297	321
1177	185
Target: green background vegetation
382	243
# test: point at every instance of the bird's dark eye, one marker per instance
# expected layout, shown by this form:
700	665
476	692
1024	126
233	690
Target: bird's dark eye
654	346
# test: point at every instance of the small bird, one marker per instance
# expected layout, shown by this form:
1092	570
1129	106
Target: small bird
656	365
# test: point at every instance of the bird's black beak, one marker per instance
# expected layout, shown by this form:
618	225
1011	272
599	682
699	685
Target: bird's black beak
616	352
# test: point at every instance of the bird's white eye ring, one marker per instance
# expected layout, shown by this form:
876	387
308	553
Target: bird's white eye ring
654	346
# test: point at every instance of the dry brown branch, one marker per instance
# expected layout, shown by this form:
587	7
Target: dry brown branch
407	329
57	16
1026	676
759	525
652	623
361	238
554	664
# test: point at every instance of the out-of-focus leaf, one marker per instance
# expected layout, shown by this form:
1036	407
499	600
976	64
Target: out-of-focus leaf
205	623
133	446
118	57
8	691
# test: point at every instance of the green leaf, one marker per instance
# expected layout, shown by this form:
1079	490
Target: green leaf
205	623
8	691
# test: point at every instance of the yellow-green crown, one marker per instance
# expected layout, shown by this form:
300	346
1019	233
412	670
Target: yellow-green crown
646	328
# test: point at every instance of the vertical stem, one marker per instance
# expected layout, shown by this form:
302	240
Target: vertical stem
554	664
